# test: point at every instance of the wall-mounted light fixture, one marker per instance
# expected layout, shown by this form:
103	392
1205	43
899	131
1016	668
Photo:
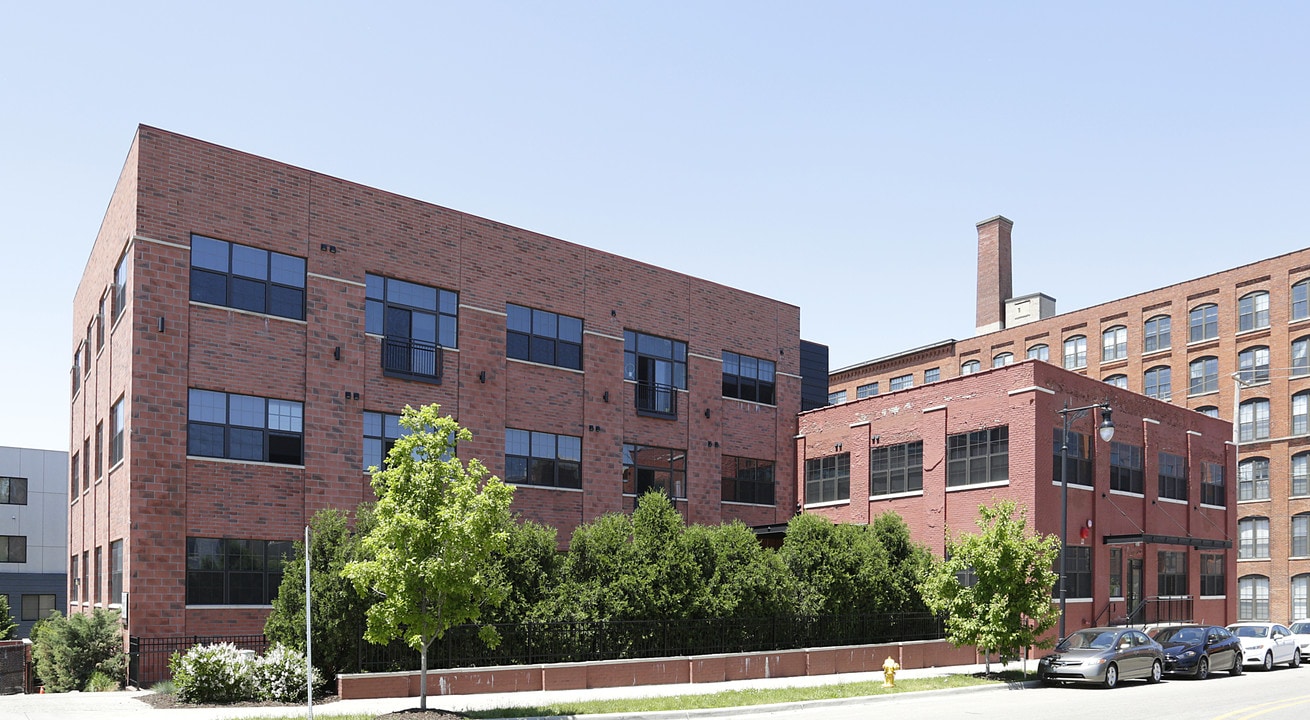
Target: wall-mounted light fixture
707	412
837	447
482	376
605	396
336	353
161	323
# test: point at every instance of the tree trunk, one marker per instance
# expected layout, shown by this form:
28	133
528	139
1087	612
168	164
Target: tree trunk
423	676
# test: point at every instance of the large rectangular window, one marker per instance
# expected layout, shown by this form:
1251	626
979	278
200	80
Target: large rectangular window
13	548
746	480
540	458
896	469
864	391
1253	598
1078	572
74	578
246	278
1116	572
120	286
1213	491
117	424
1213	581
245	427
1080	458
38	607
1203	323
981	456
1173	476
748	378
659	367
1253	538
1126	468
230	571
381	431
1172	576
116	572
543	337
1301	535
654	468
415	322
13	491
902	382
1253	479
828	479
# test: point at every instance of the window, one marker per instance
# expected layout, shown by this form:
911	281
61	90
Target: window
1253	538
1253	365
38	607
1173	476
1126	468
1212	485
659	367
1075	352
896	469
229	571
1156	334
1203	323
648	468
1301	475
865	391
77	371
100	325
86	576
1253	311
1300	413
932	375
901	382
839	397
1080	458
74	476
1209	411
1253	420
116	572
86	463
544	337
1172	576
1077	572
120	287
1116	572
1212	575
13	491
13	548
1301	535
1253	598
415	322
74	578
381	431
1040	352
970	367
1157	383
747	481
541	458
1301	596
981	456
828	479
117	422
1203	376
95	589
1301	357
1003	359
1301	308
1253	479
100	450
247	278
748	378
1119	381
1114	343
244	427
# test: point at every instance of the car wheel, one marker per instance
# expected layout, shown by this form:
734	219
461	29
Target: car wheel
1203	669
1236	669
1296	659
1111	675
1268	663
1157	672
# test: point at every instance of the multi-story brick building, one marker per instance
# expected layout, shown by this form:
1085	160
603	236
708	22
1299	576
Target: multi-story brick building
246	331
33	532
1150	512
1234	344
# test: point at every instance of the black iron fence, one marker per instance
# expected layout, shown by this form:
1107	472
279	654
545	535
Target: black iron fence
147	658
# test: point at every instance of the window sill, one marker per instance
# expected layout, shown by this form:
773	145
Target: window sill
1175	501
115	466
1208	506
1253	560
544	487
1202	394
1253	501
830	503
251	313
1074	486
1127	493
1213	597
738	503
230	461
1253	331
977	486
520	361
1153	354
896	496
1073	600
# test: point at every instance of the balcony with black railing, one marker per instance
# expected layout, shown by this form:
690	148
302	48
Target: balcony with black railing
411	359
656	400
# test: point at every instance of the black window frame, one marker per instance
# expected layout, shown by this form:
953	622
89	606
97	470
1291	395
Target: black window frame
384	437
280	292
117	429
1126	468
1214	575
1081	462
748	480
410	351
238	564
543	337
1253	479
896	469
979	453
641	474
1172	470
1214	491
1249	314
828	479
1078	572
1203	323
277	445
538	459
1171	576
750	385
13	490
13	549
644	355
100	449
1157	333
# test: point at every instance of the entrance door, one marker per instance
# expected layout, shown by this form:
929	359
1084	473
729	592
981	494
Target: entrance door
1133	592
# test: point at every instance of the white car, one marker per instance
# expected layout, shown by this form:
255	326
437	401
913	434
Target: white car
1301	629
1267	644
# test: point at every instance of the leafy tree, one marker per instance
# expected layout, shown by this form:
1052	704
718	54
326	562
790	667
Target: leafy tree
743	578
7	622
907	562
840	569
339	609
528	568
1008	606
68	650
439	521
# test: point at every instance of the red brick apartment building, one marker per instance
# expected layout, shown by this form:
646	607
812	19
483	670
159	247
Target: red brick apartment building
1151	513
246	331
1234	345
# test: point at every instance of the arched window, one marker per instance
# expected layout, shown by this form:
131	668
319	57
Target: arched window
1040	352
1203	376
1002	360
1301	308
1301	356
1157	384
1155	334
970	367
1253	420
1114	343
1208	410
1301	535
1203	323
1301	474
1253	479
1075	352
1253	364
1253	598
1253	538
1253	311
1119	381
1301	596
1301	413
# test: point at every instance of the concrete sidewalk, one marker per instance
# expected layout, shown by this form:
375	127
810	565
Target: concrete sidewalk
126	706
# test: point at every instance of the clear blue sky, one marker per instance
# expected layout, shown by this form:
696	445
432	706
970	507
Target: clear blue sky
832	155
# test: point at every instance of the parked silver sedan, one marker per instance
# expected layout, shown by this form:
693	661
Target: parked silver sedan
1103	655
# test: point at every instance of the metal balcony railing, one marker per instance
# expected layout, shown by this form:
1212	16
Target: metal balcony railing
656	399
407	357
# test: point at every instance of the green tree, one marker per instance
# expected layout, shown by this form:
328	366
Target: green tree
840	569
528	568
743	579
7	622
438	523
1007	606
339	610
68	650
907	561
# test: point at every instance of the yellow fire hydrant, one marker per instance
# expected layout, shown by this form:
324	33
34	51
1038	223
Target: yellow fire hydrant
889	668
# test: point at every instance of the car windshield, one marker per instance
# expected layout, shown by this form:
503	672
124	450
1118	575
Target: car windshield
1094	639
1187	636
1251	631
1301	627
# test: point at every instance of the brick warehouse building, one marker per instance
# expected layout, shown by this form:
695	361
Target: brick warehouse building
245	332
1150	513
1234	344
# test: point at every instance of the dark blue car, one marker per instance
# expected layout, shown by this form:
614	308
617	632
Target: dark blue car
1198	650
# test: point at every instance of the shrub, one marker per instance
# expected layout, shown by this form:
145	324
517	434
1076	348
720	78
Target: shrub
212	673
100	682
280	675
68	650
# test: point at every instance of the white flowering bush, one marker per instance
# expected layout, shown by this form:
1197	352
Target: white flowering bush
280	675
213	674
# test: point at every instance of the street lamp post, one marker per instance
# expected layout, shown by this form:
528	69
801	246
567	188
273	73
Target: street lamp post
1106	431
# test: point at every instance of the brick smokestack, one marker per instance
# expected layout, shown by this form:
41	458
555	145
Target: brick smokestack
994	281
